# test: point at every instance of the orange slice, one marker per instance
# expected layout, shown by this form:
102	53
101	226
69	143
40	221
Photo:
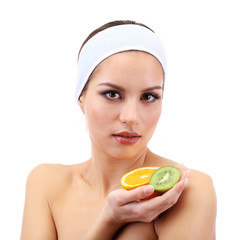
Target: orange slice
137	177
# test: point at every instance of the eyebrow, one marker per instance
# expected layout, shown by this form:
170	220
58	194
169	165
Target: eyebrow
112	86
152	88
122	89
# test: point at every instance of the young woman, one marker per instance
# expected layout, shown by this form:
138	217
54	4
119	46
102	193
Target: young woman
119	90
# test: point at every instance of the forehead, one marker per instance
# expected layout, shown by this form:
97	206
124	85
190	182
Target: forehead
130	65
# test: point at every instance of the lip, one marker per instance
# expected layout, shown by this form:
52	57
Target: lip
127	138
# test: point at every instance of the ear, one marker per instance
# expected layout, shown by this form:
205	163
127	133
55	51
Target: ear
81	104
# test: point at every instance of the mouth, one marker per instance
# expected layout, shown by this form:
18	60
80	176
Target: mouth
127	138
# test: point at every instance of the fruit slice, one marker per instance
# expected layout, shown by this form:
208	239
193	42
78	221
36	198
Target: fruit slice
165	178
137	177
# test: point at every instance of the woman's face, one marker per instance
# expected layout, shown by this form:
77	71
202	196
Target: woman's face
123	103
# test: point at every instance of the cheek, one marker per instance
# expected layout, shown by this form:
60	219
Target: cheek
98	116
152	118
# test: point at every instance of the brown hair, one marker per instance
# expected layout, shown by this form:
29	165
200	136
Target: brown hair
103	27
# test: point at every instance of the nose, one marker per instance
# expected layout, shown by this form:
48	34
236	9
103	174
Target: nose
129	113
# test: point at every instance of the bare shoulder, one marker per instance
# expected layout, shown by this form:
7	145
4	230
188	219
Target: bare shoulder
47	169
194	215
200	191
49	173
44	183
198	178
50	180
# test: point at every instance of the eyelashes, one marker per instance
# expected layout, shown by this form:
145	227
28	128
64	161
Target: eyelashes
111	94
148	97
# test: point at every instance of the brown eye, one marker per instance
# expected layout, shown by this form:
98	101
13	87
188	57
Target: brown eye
112	95
149	97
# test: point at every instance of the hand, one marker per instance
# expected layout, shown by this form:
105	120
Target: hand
126	206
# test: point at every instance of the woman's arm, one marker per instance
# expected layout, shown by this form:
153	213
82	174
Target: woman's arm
194	215
38	223
121	208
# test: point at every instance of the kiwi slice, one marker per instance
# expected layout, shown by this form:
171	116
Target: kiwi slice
165	178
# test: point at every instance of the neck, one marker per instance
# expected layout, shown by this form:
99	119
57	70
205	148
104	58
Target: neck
107	170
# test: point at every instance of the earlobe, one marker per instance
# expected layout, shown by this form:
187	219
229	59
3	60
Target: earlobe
81	104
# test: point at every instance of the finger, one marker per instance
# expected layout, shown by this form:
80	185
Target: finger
172	196
185	174
136	194
184	171
168	199
180	166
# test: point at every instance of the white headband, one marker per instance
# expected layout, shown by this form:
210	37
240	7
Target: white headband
113	40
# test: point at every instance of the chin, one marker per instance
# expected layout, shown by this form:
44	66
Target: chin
127	153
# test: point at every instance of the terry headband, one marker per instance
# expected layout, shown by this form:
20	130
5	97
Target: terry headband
114	40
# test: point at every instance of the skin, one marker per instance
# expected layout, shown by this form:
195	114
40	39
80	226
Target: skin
86	201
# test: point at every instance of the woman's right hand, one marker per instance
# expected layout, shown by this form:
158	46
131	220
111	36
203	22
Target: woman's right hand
128	206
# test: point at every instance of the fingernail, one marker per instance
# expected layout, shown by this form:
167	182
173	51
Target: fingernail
188	172
186	181
181	166
148	190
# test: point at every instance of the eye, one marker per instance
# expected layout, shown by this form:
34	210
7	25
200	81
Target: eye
149	97
112	95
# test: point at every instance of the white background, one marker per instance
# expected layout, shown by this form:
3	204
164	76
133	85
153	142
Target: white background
41	122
